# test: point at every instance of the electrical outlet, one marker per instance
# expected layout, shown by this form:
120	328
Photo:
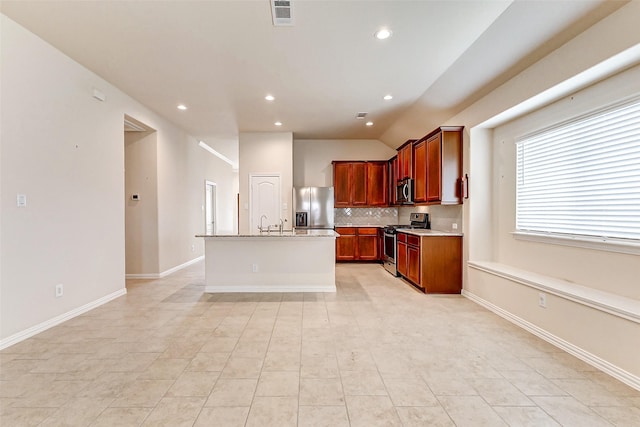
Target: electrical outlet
542	300
254	268
454	226
59	290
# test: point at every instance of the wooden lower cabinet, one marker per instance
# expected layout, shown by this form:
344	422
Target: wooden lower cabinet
346	244
408	257
441	259
367	244
413	263
401	255
432	263
357	244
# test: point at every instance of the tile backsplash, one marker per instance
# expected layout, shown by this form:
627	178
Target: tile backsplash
441	217
365	216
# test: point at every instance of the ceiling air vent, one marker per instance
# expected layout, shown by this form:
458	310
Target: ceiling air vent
361	116
282	13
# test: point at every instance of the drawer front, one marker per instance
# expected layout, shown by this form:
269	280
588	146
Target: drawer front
346	231
402	237
413	240
368	231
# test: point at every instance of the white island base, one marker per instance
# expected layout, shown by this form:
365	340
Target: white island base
288	262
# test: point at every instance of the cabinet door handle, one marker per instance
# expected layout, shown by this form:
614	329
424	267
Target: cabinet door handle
464	186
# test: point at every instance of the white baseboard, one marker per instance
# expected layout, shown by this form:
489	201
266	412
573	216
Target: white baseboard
593	360
34	330
164	273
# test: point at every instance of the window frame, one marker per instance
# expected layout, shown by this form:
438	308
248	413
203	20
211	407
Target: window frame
629	245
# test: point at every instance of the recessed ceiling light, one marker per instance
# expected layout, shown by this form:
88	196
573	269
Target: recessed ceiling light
382	33
182	107
369	123
388	97
269	97
278	123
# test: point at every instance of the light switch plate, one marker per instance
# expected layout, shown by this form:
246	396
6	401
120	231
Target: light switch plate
22	200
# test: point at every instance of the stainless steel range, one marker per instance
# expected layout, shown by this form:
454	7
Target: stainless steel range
418	220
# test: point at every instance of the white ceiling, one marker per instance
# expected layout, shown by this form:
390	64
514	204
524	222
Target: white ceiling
220	58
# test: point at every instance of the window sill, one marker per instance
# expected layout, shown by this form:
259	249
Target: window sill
617	305
601	244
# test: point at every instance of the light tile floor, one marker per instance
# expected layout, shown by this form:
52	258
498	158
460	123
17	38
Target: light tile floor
376	353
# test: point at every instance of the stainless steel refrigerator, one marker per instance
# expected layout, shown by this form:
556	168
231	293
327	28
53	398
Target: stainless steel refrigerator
313	207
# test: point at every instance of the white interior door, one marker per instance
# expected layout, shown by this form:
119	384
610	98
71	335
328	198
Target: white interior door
265	201
210	208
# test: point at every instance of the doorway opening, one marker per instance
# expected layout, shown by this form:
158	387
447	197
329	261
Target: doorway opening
141	199
210	226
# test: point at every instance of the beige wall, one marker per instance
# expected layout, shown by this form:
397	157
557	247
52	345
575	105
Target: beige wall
265	152
172	169
588	267
312	158
65	151
488	214
183	168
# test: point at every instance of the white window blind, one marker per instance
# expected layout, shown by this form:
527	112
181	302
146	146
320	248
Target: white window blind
582	177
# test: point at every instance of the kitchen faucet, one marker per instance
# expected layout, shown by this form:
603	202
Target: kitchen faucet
261	227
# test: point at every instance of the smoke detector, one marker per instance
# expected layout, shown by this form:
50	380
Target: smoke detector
282	13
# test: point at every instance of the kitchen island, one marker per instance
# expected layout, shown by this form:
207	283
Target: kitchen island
288	261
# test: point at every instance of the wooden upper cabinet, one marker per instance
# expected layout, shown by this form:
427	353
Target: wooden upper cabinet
342	184
444	156
392	180
377	184
434	169
349	184
360	183
438	167
405	160
420	171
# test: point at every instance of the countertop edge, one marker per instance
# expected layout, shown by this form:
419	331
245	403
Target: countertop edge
429	232
269	236
359	226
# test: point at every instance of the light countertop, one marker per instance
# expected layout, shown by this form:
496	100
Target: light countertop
360	225
428	232
299	233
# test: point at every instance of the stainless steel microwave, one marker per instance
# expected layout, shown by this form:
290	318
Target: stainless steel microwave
404	191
